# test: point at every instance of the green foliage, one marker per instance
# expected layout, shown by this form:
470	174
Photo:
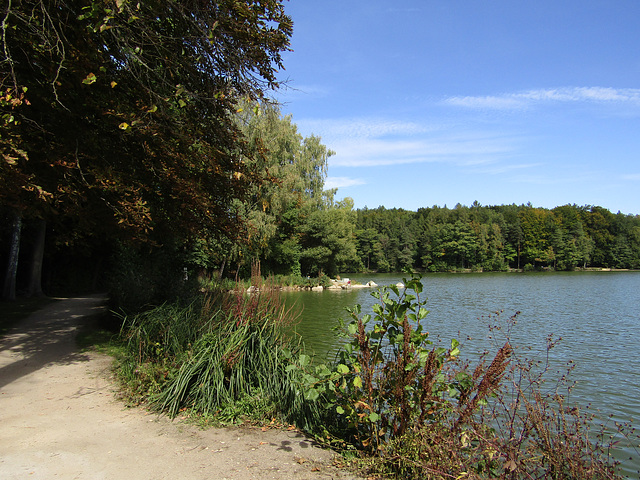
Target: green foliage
413	409
389	379
496	238
214	355
118	118
252	407
295	226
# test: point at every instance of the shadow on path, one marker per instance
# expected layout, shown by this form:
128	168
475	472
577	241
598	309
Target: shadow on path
46	337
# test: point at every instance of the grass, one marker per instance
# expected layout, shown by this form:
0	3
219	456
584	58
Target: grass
97	332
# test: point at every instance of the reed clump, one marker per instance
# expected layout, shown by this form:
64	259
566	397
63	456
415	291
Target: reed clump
213	353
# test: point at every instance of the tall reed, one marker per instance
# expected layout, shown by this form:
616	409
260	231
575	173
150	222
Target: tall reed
246	351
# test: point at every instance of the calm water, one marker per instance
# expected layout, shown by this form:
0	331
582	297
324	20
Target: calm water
597	316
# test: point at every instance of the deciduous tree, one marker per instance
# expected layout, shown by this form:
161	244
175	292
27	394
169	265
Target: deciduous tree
123	112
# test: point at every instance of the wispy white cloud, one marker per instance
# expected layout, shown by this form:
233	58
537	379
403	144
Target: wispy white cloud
362	127
529	98
370	152
631	176
342	182
370	142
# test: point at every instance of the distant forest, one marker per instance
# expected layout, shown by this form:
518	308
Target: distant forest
496	238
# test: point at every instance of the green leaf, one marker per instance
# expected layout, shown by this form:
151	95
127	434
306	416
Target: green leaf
357	382
343	369
340	410
374	417
311	394
304	360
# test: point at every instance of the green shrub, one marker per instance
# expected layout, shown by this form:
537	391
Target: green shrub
169	330
389	378
140	280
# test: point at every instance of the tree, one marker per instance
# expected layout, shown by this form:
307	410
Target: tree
123	113
291	190
599	226
535	224
366	238
9	289
328	241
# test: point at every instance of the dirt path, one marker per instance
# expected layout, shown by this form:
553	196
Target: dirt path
59	419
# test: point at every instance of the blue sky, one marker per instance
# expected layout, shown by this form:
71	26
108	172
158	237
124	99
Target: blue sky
443	102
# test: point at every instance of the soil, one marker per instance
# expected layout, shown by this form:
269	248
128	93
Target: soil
60	418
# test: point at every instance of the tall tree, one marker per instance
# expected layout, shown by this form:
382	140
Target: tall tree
291	191
126	117
9	286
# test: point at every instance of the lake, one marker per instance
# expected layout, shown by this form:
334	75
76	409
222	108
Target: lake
596	315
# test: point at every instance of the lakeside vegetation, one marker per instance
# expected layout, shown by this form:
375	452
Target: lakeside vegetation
142	156
401	406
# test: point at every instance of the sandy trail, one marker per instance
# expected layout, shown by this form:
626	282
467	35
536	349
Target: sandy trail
59	419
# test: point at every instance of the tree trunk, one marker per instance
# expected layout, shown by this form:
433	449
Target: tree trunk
34	288
9	290
221	271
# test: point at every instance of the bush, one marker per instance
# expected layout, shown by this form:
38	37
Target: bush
139	281
411	408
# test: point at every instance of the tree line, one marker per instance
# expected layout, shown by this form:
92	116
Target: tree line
497	238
